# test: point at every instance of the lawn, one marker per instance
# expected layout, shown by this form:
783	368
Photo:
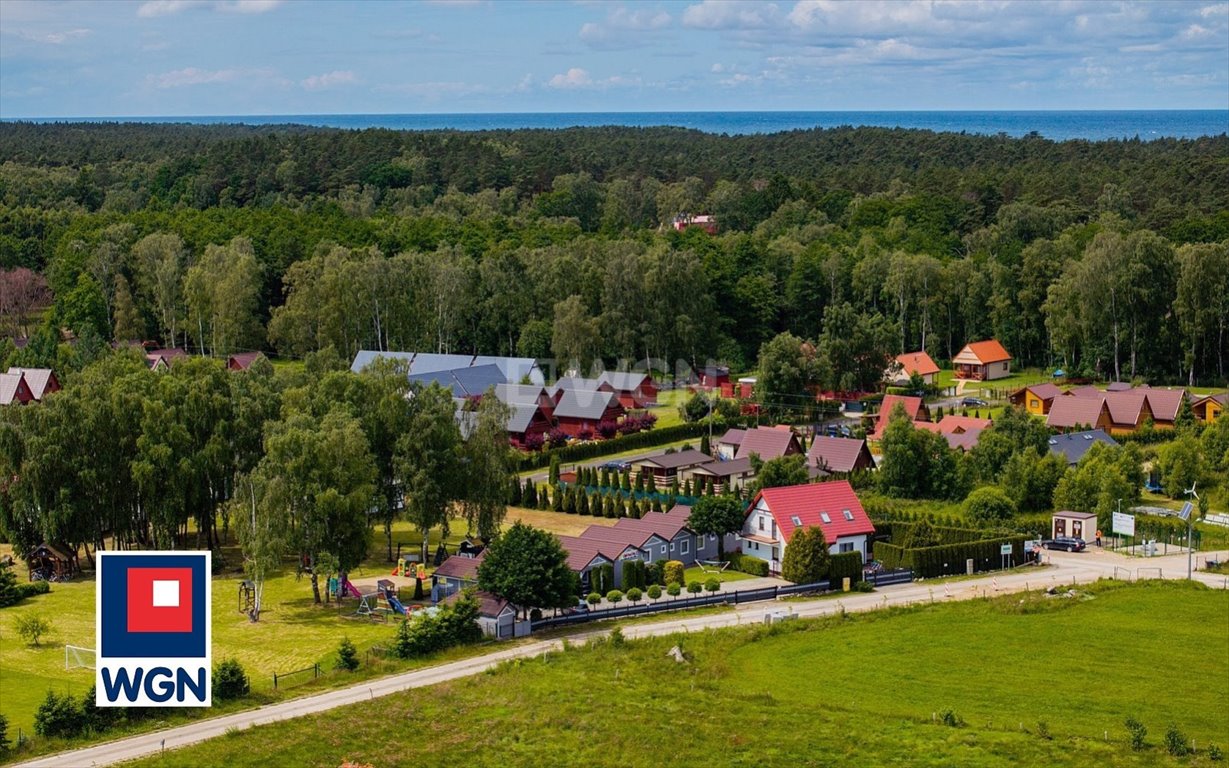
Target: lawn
697	574
292	632
863	689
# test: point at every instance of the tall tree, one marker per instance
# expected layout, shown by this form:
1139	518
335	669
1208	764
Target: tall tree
528	567
486	462
717	515
428	461
223	292
159	263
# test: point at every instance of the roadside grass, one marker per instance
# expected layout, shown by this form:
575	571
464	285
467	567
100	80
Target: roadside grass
559	523
596	460
696	573
862	688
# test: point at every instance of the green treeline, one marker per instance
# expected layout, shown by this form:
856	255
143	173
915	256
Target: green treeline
1107	258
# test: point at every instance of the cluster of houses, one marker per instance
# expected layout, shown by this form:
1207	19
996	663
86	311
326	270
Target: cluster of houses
977	361
163	359
772	517
961	432
1119	409
27	385
579	407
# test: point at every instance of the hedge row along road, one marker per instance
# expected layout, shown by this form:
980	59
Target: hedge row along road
1066	569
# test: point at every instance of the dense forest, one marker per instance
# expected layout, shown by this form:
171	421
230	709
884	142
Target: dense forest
1109	259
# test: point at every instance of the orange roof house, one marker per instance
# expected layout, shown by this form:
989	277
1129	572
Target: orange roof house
911	363
982	361
915	409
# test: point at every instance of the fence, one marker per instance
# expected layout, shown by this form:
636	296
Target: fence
881	579
314	669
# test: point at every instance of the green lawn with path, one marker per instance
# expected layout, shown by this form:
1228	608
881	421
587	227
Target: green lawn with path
862	689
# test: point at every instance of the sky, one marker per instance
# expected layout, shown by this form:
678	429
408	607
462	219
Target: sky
260	57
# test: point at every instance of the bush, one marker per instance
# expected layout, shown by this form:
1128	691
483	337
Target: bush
347	656
1176	742
614	596
746	564
806	559
1043	730
694	587
712	584
845	565
655	572
32	627
674	571
95	718
455	624
634	574
59	716
616	637
1136	732
989	506
673	589
951	719
230	681
593	598
4	733
654	591
1215	754
601	578
634	594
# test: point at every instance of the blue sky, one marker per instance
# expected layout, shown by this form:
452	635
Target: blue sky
236	57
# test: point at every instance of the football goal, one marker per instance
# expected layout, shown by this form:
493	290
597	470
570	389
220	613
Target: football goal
76	657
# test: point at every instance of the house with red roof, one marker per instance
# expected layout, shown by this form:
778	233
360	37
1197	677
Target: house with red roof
910	363
915	409
241	361
775	513
161	359
982	361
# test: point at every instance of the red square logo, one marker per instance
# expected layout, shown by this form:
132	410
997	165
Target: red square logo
159	599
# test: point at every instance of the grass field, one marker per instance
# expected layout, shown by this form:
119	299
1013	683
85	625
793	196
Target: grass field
864	689
292	633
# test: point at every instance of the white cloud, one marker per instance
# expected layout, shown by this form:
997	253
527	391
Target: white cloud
52	38
623	29
153	8
573	78
180	78
731	14
329	80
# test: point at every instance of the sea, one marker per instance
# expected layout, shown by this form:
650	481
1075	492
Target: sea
1145	125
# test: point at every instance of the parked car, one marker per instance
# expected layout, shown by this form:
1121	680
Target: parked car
974	402
617	466
1065	543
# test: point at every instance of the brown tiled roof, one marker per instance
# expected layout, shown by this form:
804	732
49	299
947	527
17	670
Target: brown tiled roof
675	460
766	442
837	454
458	567
733	436
953	424
1067	412
1164	403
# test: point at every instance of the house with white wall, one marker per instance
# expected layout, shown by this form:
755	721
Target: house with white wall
775	513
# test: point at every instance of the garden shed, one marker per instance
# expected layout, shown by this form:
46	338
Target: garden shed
1078	525
47	561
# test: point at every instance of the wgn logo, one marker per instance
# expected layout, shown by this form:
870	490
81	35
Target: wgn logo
153	619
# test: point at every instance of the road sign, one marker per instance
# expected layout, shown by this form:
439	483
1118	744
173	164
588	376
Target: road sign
1005	549
1124	524
1185	512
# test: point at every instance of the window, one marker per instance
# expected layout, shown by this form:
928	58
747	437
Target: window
847	546
848	515
761	519
663	549
672	546
683	547
1034	403
797	521
824	516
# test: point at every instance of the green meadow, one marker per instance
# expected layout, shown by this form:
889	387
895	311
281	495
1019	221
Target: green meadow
1025	678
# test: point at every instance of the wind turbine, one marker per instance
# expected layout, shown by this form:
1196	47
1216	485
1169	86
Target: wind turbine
1188	510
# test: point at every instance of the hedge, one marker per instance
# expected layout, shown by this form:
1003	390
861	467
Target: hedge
841	566
634	574
949	559
581	451
601	578
747	564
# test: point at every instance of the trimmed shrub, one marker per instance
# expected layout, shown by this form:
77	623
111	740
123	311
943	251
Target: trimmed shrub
614	596
746	564
634	595
347	656
654	573
593	598
601	578
634	574
230	681
845	565
989	506
806	559
674	571
712	584
673	589
949	559
694	587
654	591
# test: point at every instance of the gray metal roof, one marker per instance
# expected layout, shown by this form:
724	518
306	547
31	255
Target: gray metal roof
583	404
1073	446
513	370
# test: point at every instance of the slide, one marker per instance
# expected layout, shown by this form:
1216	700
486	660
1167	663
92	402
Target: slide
396	604
349	589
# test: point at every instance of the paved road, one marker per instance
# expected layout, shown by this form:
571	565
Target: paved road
1066	569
